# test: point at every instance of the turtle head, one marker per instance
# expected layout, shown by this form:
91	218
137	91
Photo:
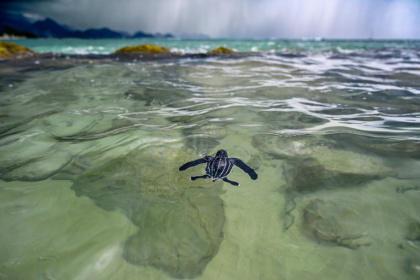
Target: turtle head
221	153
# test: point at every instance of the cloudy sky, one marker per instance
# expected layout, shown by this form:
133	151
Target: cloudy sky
399	19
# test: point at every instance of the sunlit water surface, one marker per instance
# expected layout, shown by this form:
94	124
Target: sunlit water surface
90	187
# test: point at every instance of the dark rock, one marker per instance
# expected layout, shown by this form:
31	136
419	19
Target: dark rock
180	226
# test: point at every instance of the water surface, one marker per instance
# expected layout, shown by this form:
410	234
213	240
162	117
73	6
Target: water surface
90	148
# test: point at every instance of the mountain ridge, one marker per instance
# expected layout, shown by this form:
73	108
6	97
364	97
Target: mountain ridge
19	25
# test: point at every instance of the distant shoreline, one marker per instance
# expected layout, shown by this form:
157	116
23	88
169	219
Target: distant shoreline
13	37
179	48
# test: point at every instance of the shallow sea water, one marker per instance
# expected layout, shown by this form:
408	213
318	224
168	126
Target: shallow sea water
90	187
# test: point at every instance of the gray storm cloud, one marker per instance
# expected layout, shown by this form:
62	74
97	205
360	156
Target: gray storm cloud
242	18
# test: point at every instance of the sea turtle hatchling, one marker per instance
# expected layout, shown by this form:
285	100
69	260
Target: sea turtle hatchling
219	167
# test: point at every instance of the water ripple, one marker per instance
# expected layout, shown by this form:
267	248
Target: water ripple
331	135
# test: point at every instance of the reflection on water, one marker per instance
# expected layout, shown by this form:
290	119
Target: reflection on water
334	138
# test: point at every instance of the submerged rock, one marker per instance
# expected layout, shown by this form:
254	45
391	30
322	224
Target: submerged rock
330	222
221	50
36	169
26	156
411	266
180	238
413	231
180	227
143	48
403	189
288	146
312	163
202	145
309	175
155	96
411	263
289	120
350	162
10	50
379	145
333	168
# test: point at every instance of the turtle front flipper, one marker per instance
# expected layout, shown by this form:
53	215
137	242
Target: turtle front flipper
239	163
193	163
230	182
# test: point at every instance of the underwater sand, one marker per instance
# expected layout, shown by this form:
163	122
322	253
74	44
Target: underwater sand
90	187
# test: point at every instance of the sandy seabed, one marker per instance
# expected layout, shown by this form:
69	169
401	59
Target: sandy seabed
48	232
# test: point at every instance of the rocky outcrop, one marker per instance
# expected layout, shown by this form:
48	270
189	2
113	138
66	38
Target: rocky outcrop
221	50
10	50
146	48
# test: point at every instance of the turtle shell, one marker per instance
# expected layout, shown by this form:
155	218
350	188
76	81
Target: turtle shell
220	167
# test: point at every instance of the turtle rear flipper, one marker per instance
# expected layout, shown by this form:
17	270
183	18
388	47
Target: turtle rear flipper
193	178
239	163
230	182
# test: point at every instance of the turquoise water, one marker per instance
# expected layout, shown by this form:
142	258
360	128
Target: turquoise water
81	46
91	146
